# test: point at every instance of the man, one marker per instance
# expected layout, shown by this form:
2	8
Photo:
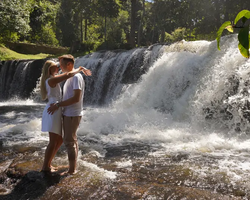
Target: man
72	103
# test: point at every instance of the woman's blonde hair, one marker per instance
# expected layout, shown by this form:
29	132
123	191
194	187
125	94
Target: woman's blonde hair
45	76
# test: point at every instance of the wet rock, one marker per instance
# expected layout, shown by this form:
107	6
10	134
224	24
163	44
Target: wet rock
146	178
3	190
24	149
180	157
25	167
4	165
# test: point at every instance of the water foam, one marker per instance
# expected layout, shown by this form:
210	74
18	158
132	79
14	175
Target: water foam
166	108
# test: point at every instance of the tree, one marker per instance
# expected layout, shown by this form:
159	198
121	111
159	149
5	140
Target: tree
108	8
86	11
134	6
164	10
140	29
43	22
66	25
14	18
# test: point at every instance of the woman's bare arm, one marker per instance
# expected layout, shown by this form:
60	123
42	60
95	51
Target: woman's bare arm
62	77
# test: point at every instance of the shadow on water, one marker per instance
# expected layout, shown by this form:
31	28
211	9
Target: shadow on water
33	185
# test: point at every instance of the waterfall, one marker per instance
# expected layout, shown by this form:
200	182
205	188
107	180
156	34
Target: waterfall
179	111
189	80
114	70
111	71
192	82
18	78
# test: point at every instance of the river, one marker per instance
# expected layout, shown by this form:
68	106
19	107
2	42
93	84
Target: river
165	122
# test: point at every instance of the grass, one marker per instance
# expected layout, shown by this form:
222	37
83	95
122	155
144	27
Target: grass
7	54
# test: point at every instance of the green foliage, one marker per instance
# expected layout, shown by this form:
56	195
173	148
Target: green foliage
43	22
48	36
243	36
95	32
177	35
69	20
219	33
14	18
168	37
244	14
112	24
88	46
116	36
107	8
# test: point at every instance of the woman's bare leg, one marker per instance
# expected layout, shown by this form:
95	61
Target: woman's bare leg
51	150
59	141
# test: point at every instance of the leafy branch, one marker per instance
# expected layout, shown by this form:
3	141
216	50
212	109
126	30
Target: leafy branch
243	36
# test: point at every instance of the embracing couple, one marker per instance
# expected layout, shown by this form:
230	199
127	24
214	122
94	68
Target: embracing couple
62	114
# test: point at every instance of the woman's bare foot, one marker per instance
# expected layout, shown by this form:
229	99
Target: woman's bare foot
53	168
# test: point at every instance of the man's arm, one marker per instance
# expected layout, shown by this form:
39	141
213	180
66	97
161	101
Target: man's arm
76	98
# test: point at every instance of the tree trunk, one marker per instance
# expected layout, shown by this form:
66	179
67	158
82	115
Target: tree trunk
132	28
153	32
85	29
81	18
141	24
105	28
105	31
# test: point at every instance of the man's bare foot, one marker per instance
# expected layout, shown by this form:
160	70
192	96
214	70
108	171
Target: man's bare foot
71	173
68	173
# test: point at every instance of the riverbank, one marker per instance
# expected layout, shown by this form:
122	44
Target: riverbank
8	54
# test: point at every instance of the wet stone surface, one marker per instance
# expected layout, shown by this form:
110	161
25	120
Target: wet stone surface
123	175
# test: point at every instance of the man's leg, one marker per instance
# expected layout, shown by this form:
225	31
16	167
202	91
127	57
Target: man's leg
70	126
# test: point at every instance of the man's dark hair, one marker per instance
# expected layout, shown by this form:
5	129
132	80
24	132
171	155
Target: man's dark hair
67	58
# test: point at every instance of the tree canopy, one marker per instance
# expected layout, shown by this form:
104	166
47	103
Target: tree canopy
113	24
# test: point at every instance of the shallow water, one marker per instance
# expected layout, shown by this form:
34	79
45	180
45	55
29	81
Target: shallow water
179	132
150	160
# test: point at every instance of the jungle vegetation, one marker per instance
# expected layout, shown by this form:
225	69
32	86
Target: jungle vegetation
90	25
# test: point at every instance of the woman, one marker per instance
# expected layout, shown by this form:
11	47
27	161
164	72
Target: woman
50	89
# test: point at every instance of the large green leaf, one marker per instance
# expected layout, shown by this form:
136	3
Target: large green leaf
243	13
243	51
243	37
219	32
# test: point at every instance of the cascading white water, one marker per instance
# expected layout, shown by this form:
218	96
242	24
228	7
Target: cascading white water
167	108
181	85
192	100
111	71
18	78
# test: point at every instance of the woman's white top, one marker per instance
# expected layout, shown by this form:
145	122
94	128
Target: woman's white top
52	123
